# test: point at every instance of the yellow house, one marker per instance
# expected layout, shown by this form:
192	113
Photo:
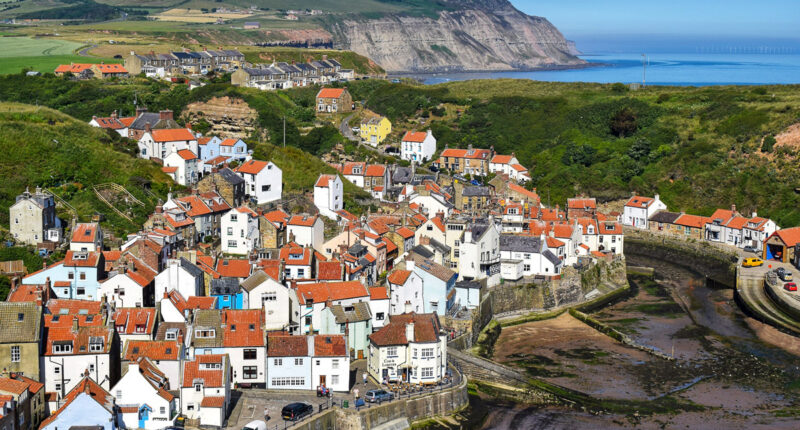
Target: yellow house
375	129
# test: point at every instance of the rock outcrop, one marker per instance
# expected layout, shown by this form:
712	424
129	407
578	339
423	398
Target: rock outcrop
474	36
228	117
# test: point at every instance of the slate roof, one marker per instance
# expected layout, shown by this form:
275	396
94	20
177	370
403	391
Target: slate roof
402	175
469	284
360	312
14	330
422	251
552	257
437	270
665	217
475	191
257	278
230	176
514	243
224	286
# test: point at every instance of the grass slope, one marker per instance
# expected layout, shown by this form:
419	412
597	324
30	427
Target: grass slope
43	55
44	147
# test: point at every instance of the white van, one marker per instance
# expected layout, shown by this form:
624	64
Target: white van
255	425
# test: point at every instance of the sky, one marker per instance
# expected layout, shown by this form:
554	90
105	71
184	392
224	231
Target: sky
743	19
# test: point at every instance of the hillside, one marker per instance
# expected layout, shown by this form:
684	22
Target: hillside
43	147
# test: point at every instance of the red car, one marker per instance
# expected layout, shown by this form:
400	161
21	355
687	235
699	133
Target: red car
790	286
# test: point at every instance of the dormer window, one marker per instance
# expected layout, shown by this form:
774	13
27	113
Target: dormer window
233	327
140	328
95	344
172	334
62	347
201	334
295	256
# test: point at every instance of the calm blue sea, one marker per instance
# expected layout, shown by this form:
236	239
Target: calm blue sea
683	69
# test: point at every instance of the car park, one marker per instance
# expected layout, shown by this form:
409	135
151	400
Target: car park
296	411
378	396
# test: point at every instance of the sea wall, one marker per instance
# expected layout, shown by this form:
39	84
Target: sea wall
713	262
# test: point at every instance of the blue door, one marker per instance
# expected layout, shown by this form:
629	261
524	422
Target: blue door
144	415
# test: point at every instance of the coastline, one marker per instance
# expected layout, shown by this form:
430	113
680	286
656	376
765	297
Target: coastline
548	68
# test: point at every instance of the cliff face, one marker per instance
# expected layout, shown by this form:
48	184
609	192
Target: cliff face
472	37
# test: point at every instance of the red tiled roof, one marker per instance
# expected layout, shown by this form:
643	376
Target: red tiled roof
581	203
152	349
84	233
415	136
607	227
219	159
203	140
252	167
324	180
390	246
134	320
111	68
73	68
521	190
12	386
75	259
465	153
687	220
33	385
187	154
302	220
553	242
193	302
329	270
323	291
519	168
172	135
736	223
426	329
109	122
378	226
80	340
211	377
789	236
243	327
233	268
330	93
405	232
288	251
399	277
73	307
378	293
112	255
330	346
639	202
229	142
375	170
287	346
350	168
212	402
501	159
193	205
562	231
87	386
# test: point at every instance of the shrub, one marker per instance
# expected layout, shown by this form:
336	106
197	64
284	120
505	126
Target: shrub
767	143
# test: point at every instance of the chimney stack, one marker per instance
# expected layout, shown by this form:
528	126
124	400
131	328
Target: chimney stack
140	110
114	114
147	128
74	323
165	115
733	208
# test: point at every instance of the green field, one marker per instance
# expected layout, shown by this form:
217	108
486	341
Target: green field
42	55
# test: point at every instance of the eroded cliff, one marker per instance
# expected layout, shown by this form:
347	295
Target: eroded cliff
471	37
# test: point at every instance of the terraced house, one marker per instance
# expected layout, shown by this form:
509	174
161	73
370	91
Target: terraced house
333	100
20	338
468	161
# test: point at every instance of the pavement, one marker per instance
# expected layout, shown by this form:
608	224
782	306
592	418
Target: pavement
249	404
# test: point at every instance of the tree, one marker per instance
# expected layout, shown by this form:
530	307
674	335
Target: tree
579	154
639	150
768	143
623	123
619	88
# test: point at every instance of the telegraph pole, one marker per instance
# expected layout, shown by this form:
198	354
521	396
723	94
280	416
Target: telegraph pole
644	69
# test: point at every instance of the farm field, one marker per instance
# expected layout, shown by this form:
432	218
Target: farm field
43	55
194	15
45	63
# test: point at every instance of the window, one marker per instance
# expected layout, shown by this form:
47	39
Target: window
334	379
162	410
198	387
62	347
57	370
91	367
379	316
427	352
190	407
526	267
301	272
427	372
15	355
234	218
266	187
83	276
391	351
335	363
342	328
308	320
70	275
278	362
119	394
288	381
298	361
455	253
231	244
81	291
230	231
204	334
249	372
58	387
249	354
269	297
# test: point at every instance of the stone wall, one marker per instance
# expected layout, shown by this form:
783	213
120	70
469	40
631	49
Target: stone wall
704	258
444	402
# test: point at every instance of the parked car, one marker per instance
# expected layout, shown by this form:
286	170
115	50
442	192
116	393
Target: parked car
790	286
378	396
752	262
296	411
750	249
255	425
784	274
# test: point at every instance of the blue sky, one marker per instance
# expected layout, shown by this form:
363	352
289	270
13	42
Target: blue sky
762	19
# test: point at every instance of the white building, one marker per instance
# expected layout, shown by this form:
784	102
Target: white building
168	353
180	275
306	230
406	292
245	343
163	142
33	219
756	231
182	166
480	253
87	405
288	363
263	180
86	237
638	210
509	165
330	365
411	348
71	352
143	398
240	233
527	256
379	306
329	195
297	261
177	309
417	146
278	301
126	290
206	389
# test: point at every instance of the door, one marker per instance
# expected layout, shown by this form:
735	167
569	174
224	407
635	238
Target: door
144	415
360	354
322	380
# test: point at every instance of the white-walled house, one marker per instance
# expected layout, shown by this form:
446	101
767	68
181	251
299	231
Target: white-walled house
183	166
756	231
240	233
177	309
235	149
314	297
88	405
531	253
263	180
279	302
127	289
143	398
411	348
417	146
298	261
379	306
406	292
167	353
86	237
480	253
163	142
306	230
330	365
244	341
180	275
206	389
329	195
71	352
288	363
638	210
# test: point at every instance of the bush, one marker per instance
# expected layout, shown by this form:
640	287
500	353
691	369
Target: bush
768	143
619	88
623	123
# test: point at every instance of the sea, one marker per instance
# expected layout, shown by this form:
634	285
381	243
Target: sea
667	61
